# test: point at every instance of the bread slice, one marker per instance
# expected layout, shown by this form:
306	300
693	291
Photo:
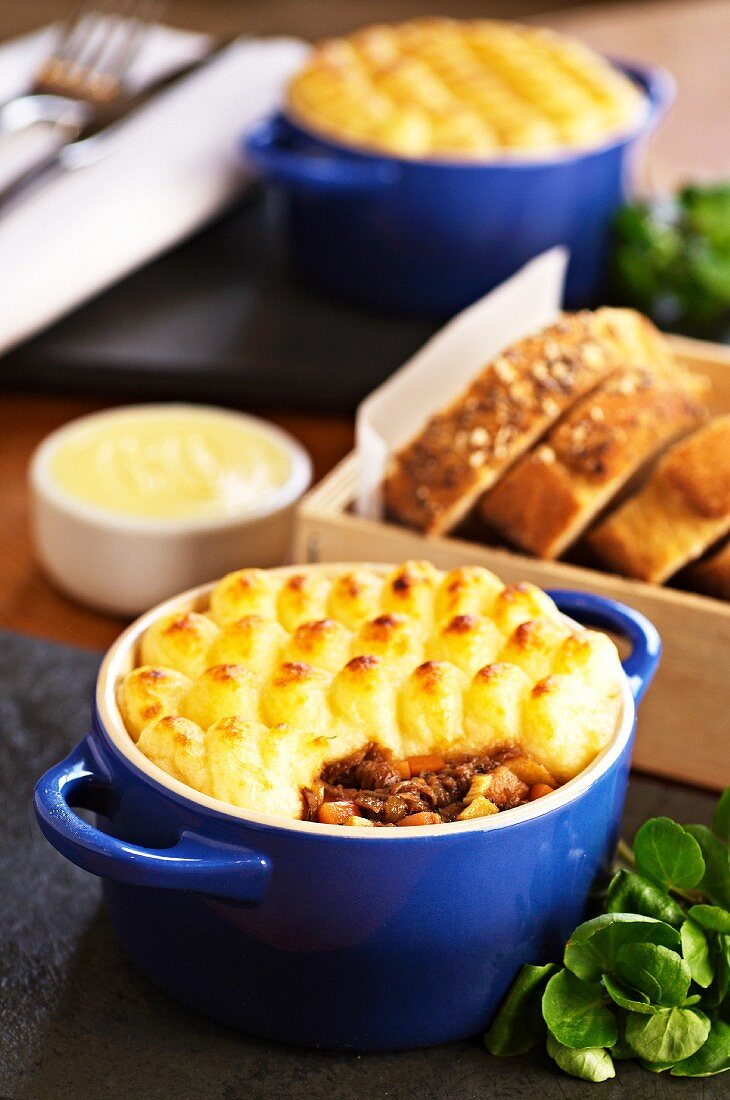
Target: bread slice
549	498
682	510
434	481
712	574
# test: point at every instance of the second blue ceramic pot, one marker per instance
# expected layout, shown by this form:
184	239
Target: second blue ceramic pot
431	236
330	937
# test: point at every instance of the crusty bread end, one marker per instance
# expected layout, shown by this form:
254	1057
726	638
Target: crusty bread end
682	511
548	498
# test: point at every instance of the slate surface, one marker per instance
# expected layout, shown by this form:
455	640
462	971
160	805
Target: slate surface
220	318
76	1019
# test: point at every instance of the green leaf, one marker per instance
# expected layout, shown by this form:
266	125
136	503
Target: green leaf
630	999
672	257
721	818
712	1057
576	1012
631	893
715	884
594	1064
670	1036
668	855
634	223
720	955
592	949
712	917
662	975
710	269
707	213
723	1011
655	1067
621	1051
696	952
511	1031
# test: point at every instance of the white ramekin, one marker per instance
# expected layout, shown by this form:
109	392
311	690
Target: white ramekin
123	564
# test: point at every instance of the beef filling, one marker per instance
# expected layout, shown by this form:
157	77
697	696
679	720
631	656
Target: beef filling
386	791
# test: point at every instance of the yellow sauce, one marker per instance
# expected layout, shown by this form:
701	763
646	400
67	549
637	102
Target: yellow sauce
171	463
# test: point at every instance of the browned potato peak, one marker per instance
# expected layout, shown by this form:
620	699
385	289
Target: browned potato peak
283	674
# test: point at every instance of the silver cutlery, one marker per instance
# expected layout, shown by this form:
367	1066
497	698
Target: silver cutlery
79	87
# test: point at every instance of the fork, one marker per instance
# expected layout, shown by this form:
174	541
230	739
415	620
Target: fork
79	85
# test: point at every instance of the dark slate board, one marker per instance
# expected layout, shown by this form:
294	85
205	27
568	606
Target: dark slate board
220	318
77	1020
224	318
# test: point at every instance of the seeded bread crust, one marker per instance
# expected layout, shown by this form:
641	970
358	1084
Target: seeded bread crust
548	498
679	514
434	481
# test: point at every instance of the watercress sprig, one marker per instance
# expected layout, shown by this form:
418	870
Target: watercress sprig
671	259
649	978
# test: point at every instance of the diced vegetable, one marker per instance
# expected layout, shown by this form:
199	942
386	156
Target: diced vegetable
540	790
478	807
480	784
427	763
336	813
529	771
424	818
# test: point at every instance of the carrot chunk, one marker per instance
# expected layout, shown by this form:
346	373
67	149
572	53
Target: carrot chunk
424	818
539	790
336	813
403	768
427	763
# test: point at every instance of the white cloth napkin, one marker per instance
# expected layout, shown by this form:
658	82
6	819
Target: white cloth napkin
158	176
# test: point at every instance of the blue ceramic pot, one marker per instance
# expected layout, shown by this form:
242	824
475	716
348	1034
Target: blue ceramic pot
338	938
431	236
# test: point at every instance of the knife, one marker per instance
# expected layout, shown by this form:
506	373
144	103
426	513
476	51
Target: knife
31	146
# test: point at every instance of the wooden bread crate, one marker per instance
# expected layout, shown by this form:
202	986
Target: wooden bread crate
684	725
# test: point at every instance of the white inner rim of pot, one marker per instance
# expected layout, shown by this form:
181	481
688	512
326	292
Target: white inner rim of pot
121	658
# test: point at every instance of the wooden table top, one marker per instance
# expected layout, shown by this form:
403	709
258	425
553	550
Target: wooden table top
689	39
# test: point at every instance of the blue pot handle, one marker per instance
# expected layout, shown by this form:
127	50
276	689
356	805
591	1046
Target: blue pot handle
646	646
193	863
658	84
324	173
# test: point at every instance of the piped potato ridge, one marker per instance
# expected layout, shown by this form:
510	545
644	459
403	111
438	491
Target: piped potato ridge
287	673
462	89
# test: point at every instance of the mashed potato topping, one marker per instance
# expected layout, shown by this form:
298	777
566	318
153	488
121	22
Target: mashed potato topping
286	673
470	89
